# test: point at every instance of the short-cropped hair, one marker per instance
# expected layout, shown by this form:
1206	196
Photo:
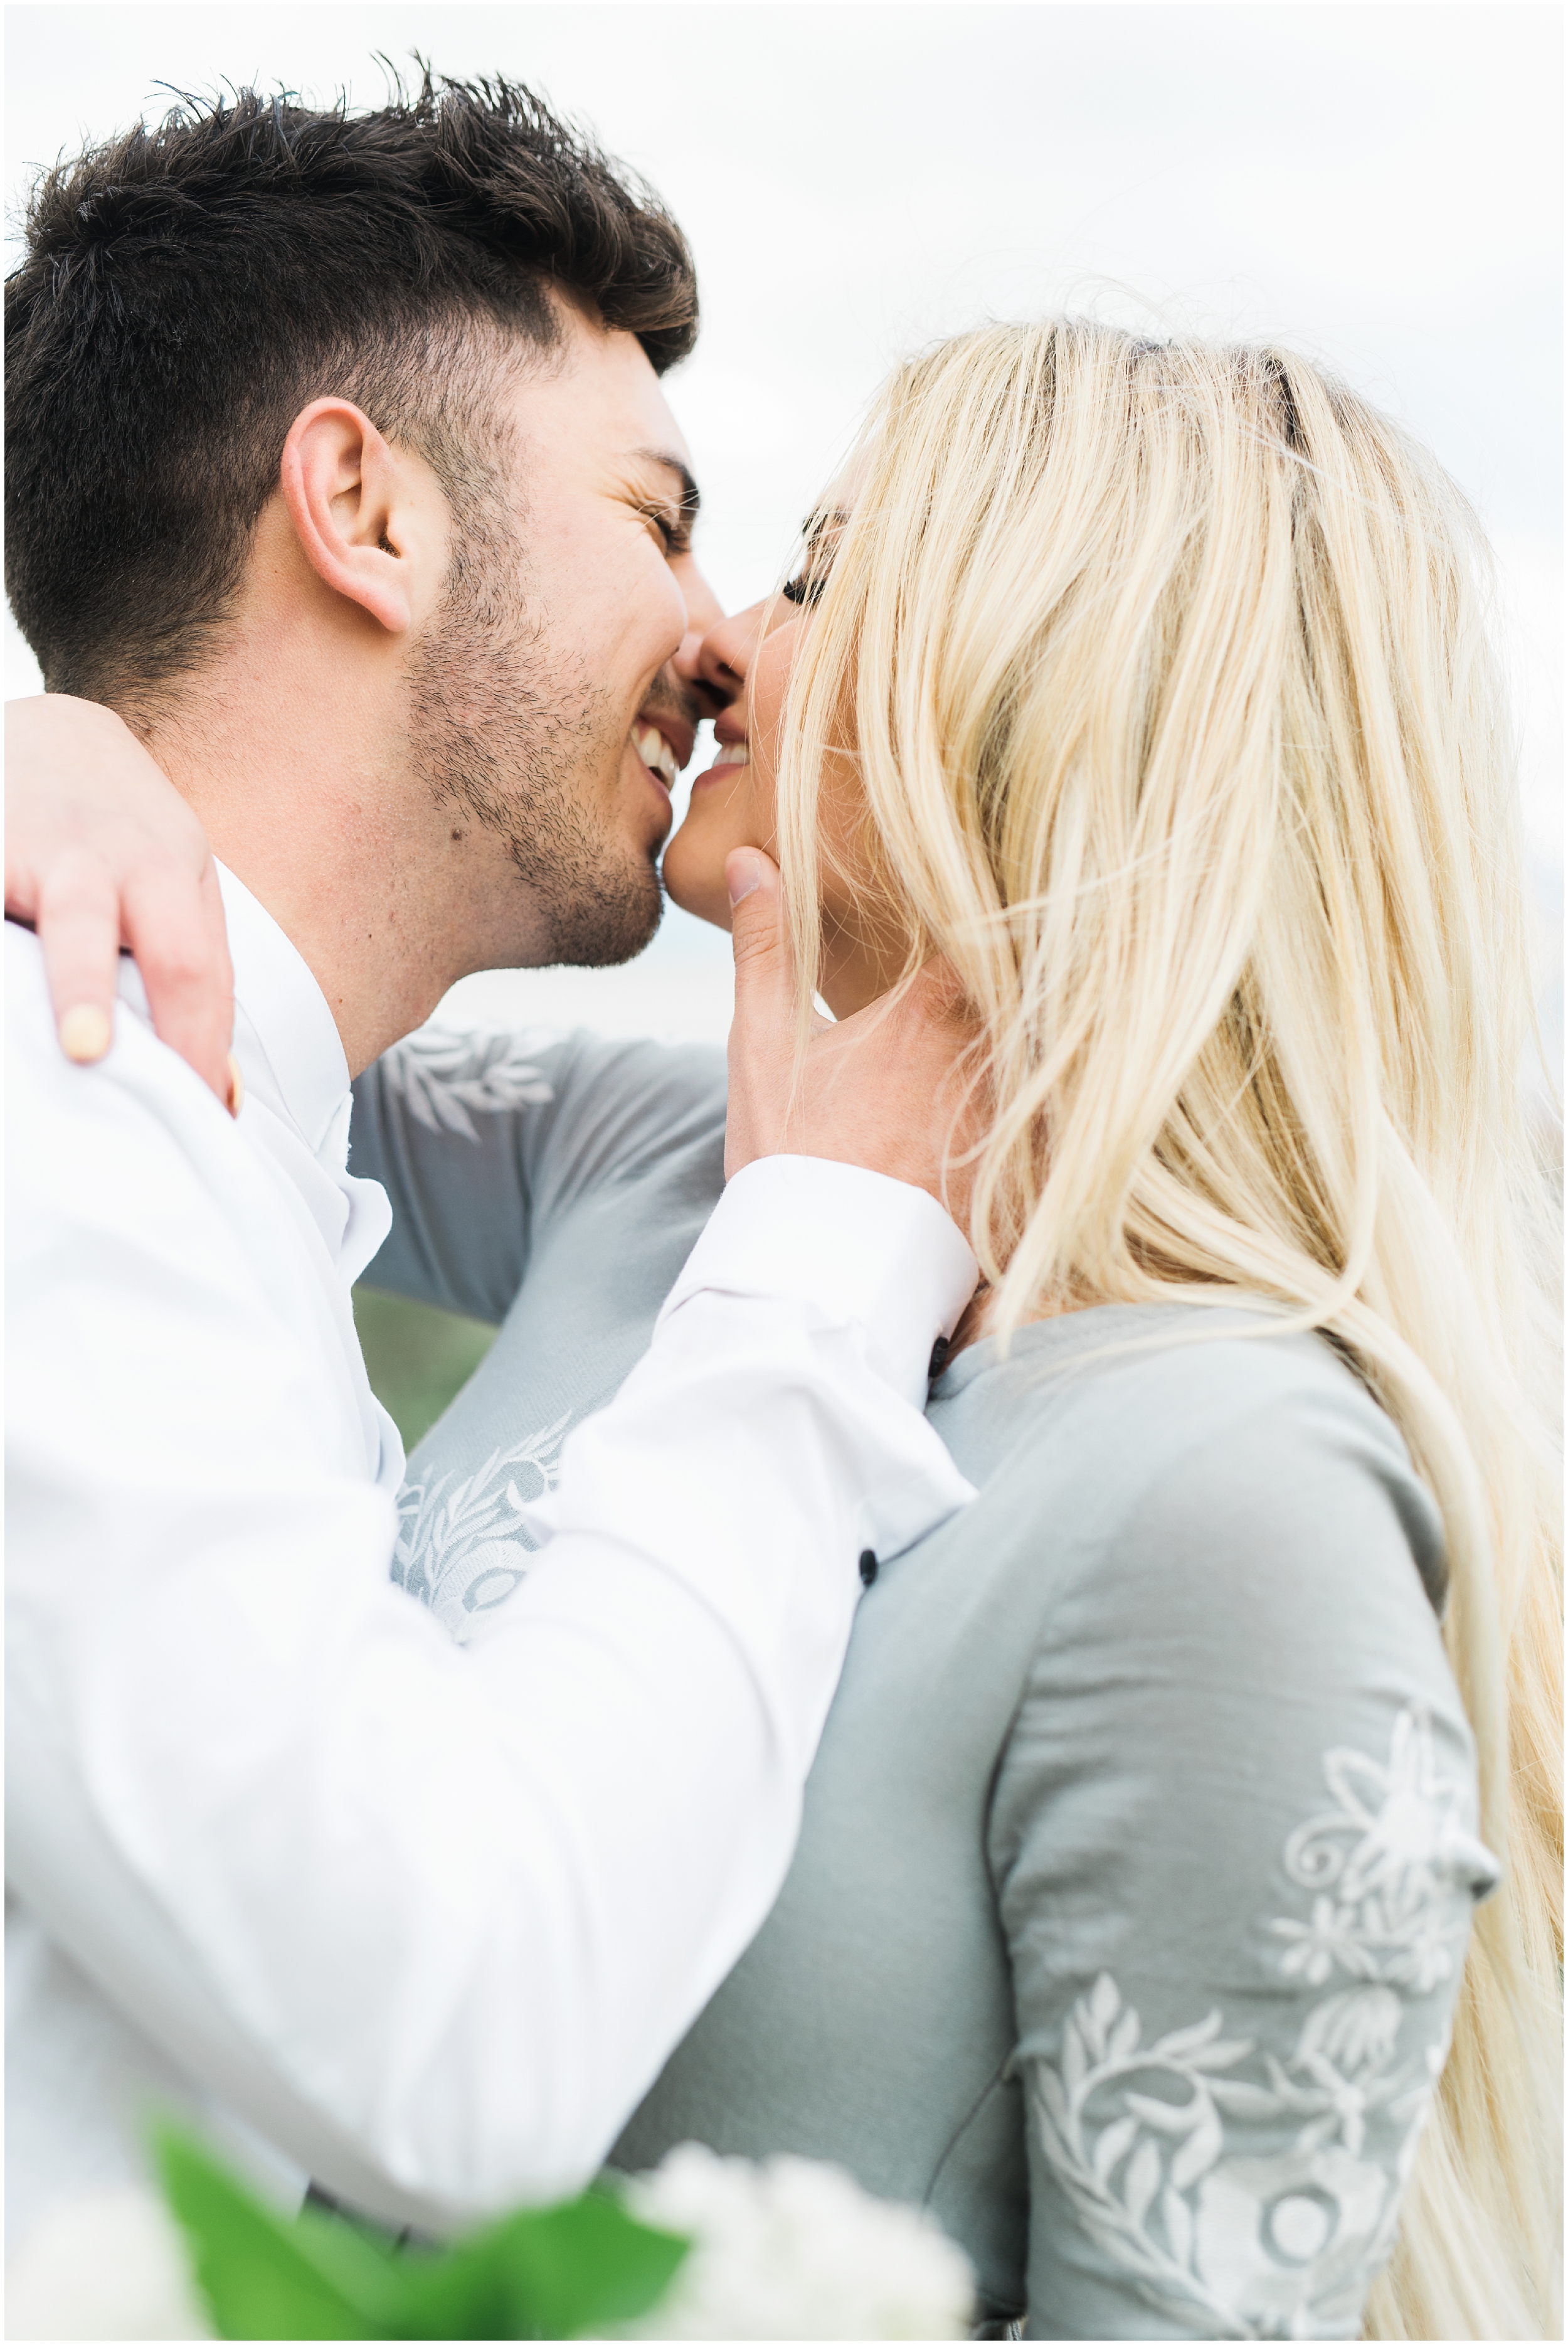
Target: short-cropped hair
187	288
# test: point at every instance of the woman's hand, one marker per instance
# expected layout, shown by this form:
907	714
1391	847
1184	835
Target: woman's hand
890	1088
101	850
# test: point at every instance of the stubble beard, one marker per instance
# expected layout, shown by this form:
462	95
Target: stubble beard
499	733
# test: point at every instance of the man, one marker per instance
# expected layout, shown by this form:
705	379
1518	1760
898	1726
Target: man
338	464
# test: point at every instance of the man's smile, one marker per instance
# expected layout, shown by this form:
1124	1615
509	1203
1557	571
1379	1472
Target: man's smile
661	755
665	732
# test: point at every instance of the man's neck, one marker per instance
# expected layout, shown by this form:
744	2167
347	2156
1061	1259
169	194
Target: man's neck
327	828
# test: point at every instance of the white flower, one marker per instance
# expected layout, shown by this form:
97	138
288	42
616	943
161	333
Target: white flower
1329	1937
1284	2242
112	2265
1396	1830
1425	1952
1358	2029
795	2249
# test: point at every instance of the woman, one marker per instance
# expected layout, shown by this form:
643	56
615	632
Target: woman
1132	1912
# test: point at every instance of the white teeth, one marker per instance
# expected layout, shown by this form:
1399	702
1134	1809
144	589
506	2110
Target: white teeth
733	752
656	751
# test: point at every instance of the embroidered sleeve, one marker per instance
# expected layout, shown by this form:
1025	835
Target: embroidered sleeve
451	1125
444	1081
1233	2012
479	1139
463	1540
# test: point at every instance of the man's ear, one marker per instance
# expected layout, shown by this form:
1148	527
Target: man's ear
352	506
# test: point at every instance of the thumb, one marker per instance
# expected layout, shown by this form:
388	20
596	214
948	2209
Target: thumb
760	1056
757	927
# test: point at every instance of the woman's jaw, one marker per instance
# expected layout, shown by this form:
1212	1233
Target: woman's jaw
852	972
733	803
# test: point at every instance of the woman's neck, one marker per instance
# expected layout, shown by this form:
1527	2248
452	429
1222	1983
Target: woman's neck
854	973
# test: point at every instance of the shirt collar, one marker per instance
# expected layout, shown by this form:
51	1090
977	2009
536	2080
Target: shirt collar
288	1013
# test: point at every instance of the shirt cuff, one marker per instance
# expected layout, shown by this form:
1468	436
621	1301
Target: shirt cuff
858	1246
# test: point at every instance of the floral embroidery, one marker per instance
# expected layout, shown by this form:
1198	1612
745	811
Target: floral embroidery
440	1077
1383	1849
460	1546
1282	2243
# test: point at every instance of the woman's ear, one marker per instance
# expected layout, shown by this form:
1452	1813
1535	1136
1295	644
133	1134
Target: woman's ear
350	505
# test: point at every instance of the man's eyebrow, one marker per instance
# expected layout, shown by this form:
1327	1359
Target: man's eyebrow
691	495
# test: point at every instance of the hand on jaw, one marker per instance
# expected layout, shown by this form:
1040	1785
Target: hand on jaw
292	754
889	1087
100	847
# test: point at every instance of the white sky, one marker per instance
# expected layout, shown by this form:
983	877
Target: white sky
1379	185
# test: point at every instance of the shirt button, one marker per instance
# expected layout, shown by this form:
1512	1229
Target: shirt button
867	1567
939	1351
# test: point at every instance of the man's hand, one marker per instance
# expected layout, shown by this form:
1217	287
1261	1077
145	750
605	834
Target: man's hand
890	1089
100	850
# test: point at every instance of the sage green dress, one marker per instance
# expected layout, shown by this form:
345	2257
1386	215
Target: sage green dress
1139	1854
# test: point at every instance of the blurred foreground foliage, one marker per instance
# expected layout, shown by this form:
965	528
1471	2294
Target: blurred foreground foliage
573	2271
419	1358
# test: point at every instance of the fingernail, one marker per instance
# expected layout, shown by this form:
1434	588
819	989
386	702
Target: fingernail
744	873
235	1086
86	1033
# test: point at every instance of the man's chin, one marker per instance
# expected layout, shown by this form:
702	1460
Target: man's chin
608	925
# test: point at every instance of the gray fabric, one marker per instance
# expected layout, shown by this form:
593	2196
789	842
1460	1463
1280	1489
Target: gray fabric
1138	1855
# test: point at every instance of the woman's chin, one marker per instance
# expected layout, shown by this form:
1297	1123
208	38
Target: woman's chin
697	885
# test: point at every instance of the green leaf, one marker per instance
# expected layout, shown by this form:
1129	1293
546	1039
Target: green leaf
263	2274
557	2272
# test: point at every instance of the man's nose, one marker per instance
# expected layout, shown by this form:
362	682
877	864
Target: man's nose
703	612
713	684
725	651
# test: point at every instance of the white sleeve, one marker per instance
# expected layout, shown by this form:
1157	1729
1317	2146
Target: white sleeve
431	1918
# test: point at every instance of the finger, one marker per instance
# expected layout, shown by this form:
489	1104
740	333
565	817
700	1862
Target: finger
758	933
173	925
760	1036
77	916
21	887
763	1033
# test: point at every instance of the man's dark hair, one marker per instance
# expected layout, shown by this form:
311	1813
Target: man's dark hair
189	288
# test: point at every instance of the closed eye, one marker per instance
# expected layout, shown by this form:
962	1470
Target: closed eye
673	530
822	532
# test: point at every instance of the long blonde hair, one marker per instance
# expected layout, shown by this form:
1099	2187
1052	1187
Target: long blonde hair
1167	675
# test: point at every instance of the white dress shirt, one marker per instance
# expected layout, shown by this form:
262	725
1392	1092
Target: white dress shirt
426	1920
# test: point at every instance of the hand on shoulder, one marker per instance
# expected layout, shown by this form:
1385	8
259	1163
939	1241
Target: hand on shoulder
100	850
